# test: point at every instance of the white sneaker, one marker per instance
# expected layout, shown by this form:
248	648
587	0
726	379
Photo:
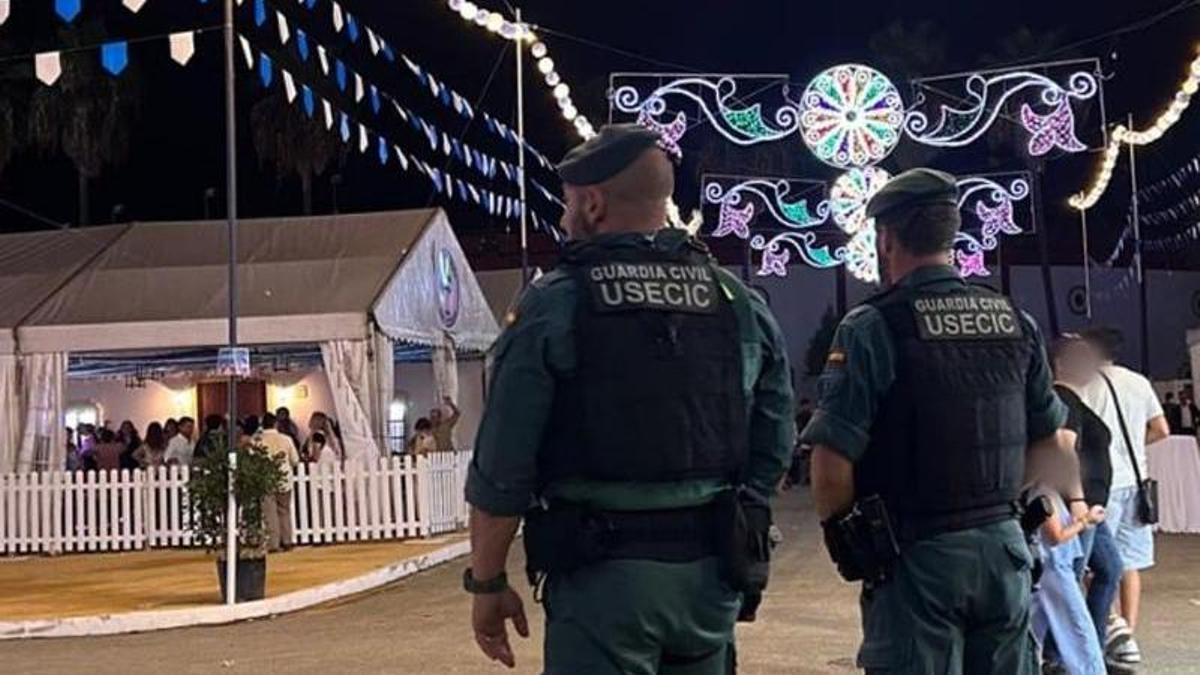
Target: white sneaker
1117	633
1127	652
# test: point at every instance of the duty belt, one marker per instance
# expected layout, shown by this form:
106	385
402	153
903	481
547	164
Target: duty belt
670	535
915	527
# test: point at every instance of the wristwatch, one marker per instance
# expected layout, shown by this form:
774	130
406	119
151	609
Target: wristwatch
491	586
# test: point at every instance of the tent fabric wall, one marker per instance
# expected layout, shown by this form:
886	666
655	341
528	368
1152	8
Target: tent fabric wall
10	414
383	383
1193	339
436	268
43	442
445	371
348	367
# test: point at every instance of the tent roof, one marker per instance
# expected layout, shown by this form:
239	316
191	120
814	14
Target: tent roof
34	265
163	285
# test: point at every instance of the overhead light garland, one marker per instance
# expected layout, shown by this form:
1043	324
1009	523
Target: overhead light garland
1123	135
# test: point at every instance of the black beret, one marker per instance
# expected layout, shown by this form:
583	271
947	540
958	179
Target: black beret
606	154
914	187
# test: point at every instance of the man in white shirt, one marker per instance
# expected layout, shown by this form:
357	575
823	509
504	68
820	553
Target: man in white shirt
277	508
1136	402
182	447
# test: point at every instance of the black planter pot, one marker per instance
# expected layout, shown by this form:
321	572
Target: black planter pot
251	579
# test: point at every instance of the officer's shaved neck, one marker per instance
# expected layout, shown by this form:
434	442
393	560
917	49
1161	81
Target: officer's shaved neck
636	198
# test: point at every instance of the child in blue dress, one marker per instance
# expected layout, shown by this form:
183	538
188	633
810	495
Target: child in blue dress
1059	608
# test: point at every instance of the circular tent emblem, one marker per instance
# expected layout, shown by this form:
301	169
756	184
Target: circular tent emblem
1077	300
449	290
851	116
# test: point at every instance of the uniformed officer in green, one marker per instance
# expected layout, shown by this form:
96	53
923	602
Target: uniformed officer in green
632	388
933	394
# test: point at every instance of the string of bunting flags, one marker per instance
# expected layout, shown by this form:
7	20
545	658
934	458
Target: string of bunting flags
114	54
351	130
347	25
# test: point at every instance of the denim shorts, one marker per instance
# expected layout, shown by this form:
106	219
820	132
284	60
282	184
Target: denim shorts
1135	539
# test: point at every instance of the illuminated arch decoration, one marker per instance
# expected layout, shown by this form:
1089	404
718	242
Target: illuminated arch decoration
849	195
741	202
717	102
851	116
1049	118
777	252
988	211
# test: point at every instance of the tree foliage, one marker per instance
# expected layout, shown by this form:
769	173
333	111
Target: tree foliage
256	477
292	144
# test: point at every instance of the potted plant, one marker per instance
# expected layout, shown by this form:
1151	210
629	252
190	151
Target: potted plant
256	477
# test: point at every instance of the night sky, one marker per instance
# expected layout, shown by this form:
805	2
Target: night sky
176	152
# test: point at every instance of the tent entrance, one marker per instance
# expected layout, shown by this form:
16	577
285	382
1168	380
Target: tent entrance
212	398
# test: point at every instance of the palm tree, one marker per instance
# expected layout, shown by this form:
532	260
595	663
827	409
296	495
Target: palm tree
87	114
292	143
905	51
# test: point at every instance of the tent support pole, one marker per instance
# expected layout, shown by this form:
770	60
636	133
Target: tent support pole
231	519
520	50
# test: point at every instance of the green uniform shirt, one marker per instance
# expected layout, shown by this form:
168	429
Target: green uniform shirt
537	349
862	367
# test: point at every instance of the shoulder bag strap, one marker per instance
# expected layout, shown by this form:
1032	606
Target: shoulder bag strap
1137	472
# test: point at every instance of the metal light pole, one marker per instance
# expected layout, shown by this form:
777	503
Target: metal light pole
1137	256
520	44
1087	264
231	519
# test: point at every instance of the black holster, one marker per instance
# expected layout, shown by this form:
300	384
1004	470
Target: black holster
562	538
744	544
862	543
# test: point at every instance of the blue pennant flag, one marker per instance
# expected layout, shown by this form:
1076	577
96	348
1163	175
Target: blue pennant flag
462	189
302	44
340	70
383	151
352	27
376	104
260	12
345	128
114	56
310	102
67	10
264	69
387	51
444	96
310	3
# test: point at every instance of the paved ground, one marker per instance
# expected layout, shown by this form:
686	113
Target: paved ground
809	625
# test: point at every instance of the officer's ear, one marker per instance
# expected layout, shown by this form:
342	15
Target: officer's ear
595	205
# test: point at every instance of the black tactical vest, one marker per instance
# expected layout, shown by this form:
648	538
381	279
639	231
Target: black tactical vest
950	435
657	392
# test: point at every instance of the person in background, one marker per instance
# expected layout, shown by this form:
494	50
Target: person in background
170	428
443	425
1126	401
319	421
1059	610
249	427
1173	412
182	447
72	462
1076	365
278	507
87	440
422	441
286	425
1189	414
127	434
153	449
798	471
313	450
108	451
212	440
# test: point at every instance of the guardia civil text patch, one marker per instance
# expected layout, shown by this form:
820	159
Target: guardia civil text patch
966	317
664	287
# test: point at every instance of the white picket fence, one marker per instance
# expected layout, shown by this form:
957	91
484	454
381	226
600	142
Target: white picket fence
68	512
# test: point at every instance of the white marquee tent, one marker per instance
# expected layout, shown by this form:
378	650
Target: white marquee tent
350	283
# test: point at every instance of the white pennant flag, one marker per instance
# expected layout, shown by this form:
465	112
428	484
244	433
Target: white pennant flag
247	52
328	113
48	67
324	58
289	86
372	40
358	88
362	138
400	157
134	6
183	46
5	8
338	19
284	33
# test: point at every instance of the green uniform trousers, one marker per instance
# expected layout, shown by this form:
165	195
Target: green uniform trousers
958	603
639	617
